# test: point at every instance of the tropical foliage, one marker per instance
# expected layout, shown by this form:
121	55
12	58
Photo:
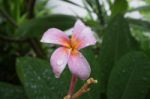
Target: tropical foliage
120	60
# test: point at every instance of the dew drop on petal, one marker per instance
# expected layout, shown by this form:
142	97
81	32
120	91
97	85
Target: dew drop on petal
87	44
60	62
80	55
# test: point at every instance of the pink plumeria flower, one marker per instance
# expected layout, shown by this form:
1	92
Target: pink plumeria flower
69	52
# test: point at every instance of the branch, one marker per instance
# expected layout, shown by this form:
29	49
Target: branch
12	40
100	16
30	8
85	88
34	43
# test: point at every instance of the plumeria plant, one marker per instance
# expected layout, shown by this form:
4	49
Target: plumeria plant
69	53
120	59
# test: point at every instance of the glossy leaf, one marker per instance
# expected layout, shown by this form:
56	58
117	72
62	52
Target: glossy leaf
73	3
38	80
130	77
9	91
92	56
141	8
117	41
119	7
36	27
147	1
140	23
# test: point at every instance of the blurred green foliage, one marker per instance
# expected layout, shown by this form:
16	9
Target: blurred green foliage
133	71
120	61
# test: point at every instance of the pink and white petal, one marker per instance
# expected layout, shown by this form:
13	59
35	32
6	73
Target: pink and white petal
78	28
79	66
59	60
55	36
86	38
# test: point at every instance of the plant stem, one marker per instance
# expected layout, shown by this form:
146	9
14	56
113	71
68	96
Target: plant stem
30	8
72	84
85	88
100	14
36	47
11	40
34	42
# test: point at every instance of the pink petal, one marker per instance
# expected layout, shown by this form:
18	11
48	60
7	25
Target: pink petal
59	60
79	66
55	36
78	28
84	39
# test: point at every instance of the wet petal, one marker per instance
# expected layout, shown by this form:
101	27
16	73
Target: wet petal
59	60
79	66
55	36
78	28
84	39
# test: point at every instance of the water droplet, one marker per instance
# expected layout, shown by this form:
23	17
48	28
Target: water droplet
87	44
78	64
52	88
39	78
142	91
80	55
48	78
60	62
96	56
33	86
123	71
144	78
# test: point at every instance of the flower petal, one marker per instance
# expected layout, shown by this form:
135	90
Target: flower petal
79	66
84	39
55	36
78	28
59	60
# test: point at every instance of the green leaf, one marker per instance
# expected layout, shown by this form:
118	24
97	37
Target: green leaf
141	8
147	1
73	3
36	27
130	77
141	32
9	91
39	81
117	41
16	9
140	23
92	55
119	7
